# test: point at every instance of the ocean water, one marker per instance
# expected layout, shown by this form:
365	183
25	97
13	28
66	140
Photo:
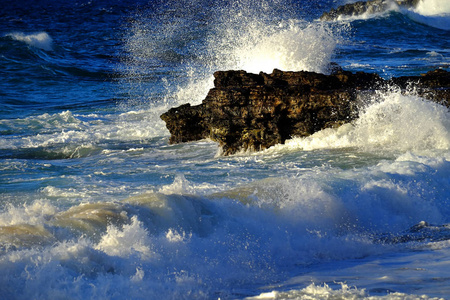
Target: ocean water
95	204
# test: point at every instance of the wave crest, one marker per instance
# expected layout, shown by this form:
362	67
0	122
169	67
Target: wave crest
41	40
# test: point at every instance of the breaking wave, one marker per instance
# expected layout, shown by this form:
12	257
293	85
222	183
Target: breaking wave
41	40
393	122
434	13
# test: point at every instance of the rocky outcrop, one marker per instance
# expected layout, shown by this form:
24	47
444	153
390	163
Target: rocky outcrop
365	7
246	111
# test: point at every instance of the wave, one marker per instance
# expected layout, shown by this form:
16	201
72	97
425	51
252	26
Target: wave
338	290
68	135
41	40
436	21
168	241
434	13
392	121
312	202
36	57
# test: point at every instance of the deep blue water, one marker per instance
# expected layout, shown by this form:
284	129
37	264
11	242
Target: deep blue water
94	202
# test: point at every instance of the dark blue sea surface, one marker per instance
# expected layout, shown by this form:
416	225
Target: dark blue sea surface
95	203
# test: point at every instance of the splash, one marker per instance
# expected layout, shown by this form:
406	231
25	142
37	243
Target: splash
434	13
41	40
404	122
325	291
240	35
132	240
393	122
291	47
258	38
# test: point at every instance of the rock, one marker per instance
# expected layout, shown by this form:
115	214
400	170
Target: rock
362	7
253	112
433	85
186	123
246	111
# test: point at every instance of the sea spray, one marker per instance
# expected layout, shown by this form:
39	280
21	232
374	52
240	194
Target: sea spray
391	121
258	38
239	36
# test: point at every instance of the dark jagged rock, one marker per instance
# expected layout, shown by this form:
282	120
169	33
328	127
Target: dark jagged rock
246	111
362	7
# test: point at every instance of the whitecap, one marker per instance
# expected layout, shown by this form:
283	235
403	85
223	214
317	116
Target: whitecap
41	40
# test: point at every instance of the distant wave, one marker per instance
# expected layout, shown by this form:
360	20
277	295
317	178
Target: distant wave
434	13
39	40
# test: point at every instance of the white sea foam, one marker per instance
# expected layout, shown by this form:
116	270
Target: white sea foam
390	6
314	291
393	122
317	292
40	40
411	270
133	239
69	135
35	213
435	13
